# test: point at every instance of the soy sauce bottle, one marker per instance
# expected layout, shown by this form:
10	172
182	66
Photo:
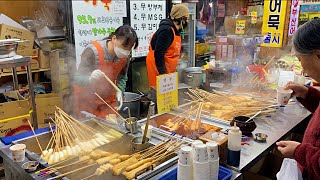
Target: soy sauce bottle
234	146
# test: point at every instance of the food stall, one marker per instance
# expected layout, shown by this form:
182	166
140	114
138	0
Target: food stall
227	81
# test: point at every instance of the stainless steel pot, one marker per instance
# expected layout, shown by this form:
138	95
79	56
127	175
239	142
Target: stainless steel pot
8	49
193	76
131	124
132	101
137	145
181	66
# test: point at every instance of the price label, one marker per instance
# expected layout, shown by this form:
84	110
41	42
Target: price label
167	92
254	17
240	26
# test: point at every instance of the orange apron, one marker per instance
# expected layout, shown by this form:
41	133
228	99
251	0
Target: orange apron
171	60
85	100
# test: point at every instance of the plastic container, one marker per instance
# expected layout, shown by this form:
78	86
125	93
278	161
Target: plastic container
224	174
234	146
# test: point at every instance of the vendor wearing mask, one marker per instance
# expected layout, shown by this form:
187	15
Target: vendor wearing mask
306	44
108	57
165	44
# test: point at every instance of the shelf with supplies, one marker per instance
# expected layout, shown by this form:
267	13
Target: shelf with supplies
2	74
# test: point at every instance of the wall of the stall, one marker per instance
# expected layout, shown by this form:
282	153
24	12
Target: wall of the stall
16	9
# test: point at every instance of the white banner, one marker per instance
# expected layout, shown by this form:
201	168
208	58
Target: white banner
145	17
93	20
294	17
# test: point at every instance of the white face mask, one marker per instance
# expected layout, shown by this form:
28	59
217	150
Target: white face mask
121	53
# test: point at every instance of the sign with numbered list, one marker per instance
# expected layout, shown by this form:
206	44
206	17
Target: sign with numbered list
94	20
167	92
273	23
145	17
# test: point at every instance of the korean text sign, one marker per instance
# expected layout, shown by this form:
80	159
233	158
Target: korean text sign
167	92
145	17
274	22
294	17
94	20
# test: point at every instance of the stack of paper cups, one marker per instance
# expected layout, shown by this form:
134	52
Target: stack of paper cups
185	163
201	171
201	153
213	154
193	145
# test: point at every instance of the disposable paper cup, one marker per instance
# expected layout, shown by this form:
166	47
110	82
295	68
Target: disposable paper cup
185	157
301	80
201	153
149	130
214	169
193	144
283	96
213	151
184	172
201	171
18	152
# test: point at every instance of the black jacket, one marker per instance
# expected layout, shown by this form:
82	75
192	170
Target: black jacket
161	41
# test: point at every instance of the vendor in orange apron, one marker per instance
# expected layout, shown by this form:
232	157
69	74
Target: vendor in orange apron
165	44
107	57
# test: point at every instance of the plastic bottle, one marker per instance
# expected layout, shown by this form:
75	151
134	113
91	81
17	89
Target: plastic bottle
234	146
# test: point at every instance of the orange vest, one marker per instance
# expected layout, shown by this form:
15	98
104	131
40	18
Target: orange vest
171	60
85	100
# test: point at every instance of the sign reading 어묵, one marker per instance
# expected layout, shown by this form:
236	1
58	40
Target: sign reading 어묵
274	22
167	92
145	17
95	20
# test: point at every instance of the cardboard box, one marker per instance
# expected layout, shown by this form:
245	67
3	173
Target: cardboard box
9	32
14	115
29	52
46	106
44	59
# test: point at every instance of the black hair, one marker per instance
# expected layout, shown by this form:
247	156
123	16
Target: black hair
306	39
127	34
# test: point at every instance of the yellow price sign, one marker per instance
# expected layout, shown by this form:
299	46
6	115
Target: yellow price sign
254	17
304	17
240	26
314	16
167	92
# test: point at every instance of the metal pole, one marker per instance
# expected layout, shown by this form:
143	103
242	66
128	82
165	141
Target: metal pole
15	78
33	102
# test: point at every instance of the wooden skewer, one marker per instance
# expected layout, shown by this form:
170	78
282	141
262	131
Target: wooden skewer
88	177
34	134
108	105
112	84
70	172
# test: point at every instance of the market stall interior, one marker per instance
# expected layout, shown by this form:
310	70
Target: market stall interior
219	116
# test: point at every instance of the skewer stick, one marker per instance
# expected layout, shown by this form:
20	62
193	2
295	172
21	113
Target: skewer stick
108	105
70	172
112	84
34	134
88	177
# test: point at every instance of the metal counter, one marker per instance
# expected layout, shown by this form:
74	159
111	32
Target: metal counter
277	126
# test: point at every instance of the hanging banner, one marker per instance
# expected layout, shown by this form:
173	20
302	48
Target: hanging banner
167	92
274	22
93	20
240	26
294	17
145	17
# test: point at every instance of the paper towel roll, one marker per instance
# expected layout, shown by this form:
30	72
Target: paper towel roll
184	172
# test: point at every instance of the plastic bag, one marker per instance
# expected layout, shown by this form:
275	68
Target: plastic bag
289	170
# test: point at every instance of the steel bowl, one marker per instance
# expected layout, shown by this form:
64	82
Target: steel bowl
8	49
30	166
260	137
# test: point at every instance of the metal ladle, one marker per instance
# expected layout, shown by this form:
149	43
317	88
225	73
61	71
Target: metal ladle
129	112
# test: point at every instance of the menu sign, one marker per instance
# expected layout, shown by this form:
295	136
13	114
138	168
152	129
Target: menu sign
145	17
167	92
93	20
273	22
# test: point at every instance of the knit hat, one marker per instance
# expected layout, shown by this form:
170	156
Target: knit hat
178	11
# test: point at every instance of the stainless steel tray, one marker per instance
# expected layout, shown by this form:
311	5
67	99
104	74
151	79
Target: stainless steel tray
121	146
